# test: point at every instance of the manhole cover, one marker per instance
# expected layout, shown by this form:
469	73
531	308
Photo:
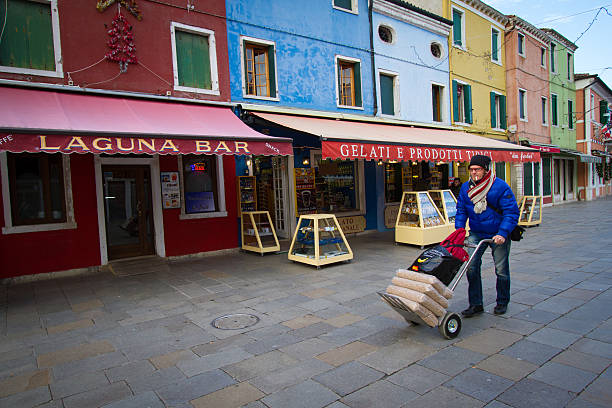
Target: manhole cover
235	321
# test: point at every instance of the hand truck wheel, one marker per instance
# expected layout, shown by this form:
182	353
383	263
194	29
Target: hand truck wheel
450	326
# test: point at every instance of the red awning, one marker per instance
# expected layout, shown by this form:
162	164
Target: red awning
46	121
344	139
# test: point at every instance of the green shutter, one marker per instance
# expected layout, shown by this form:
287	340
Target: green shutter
457	28
553	107
345	4
493	111
500	170
546	176
603	109
570	114
527	179
193	60
27	40
502	109
455	103
357	68
494	51
272	71
552	57
467	98
536	178
386	95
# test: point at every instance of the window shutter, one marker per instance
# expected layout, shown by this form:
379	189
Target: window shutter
546	176
527	179
494	51
457	28
193	60
603	109
553	107
536	178
386	95
502	110
272	71
570	116
468	103
357	69
455	102
493	111
345	4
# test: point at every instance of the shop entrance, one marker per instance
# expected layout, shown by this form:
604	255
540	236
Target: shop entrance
128	211
272	190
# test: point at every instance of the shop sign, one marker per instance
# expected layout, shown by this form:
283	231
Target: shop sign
137	145
352	225
391	215
546	149
367	151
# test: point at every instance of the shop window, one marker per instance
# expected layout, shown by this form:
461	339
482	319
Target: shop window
349	83
346	5
495	45
337	184
570	114
36	188
498	111
201	180
387	94
522	99
437	93
542	56
462	102
521	45
544	111
30	38
458	28
393	182
546	176
554	118
259	69
194	57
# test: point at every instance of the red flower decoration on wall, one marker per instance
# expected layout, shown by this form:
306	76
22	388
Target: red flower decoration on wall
121	43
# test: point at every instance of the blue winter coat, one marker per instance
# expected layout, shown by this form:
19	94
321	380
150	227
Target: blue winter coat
489	222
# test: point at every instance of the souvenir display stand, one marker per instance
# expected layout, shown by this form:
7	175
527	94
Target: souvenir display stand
258	234
318	240
419	222
531	210
446	203
247	193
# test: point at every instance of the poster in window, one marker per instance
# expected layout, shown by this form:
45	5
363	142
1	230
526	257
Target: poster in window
171	197
201	201
305	191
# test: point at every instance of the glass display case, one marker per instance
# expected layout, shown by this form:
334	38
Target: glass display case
258	234
419	222
246	193
531	210
446	203
318	240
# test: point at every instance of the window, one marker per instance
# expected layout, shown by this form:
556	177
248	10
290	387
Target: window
259	69
387	94
36	188
194	59
543	57
200	184
437	93
554	112
393	182
436	49
346	5
498	111
604	115
341	180
349	83
30	38
570	114
385	34
458	30
546	176
500	170
544	111
553	67
592	106
522	104
462	102
521	45
570	176
569	66
495	45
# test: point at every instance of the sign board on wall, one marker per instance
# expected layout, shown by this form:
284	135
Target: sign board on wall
352	225
391	215
171	195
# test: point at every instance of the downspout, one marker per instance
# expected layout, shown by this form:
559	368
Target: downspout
375	100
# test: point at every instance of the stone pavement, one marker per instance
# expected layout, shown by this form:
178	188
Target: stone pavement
324	338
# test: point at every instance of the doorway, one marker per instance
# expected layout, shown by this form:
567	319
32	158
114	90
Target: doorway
272	190
128	211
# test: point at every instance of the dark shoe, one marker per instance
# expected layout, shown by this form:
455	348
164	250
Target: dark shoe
472	311
500	309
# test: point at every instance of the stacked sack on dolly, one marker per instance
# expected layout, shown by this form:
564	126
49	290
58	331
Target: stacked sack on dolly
423	294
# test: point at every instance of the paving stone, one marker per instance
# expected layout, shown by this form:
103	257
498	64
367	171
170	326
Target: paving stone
573	325
74	353
519	326
345	319
582	294
273	382
602	333
271	343
559	304
317	304
217	345
496	404
479	384
587	362
148	399
258	365
418	378
442	397
27	399
599	392
528	298
138	368
77	384
318	293
307	349
529	393
346	353
452	360
381	394
308	394
594	347
387	337
156	380
489	341
99	396
79	324
213	361
537	316
233	396
88	305
23	382
507	367
581	402
553	337
312	331
302	321
348	378
90	364
535	353
194	387
563	376
170	359
397	356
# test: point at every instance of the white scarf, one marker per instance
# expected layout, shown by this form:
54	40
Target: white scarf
478	192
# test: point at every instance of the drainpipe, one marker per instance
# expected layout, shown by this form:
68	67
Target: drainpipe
375	100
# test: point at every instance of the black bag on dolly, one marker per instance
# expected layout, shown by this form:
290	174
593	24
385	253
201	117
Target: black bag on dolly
439	262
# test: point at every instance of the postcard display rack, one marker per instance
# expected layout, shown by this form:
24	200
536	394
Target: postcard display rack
531	210
446	203
318	240
258	234
419	222
247	193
